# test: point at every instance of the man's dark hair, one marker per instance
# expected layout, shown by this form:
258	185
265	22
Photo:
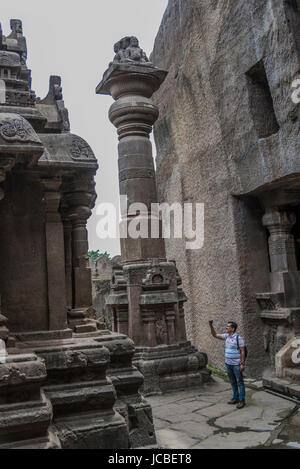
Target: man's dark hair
233	324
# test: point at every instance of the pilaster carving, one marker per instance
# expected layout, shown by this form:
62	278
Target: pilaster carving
55	254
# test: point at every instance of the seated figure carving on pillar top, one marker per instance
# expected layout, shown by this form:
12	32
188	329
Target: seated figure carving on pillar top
127	50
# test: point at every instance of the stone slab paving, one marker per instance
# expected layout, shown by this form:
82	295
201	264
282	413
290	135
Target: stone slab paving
202	419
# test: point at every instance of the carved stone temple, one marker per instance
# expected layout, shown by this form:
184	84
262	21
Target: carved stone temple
64	382
146	298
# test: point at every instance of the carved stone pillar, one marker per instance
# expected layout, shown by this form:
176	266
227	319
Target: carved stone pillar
68	261
281	242
55	255
284	275
134	114
280	306
79	197
150	281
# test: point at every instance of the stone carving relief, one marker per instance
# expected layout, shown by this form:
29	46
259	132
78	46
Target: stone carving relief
75	359
127	50
17	129
80	150
156	276
134	173
14	376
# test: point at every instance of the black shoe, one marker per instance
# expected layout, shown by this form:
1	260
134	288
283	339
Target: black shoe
241	405
233	401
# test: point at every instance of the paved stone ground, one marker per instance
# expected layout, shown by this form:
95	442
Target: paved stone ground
202	419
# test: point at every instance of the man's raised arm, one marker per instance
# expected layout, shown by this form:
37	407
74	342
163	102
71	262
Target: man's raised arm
213	332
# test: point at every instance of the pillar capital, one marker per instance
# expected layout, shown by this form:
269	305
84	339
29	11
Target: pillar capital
279	221
132	85
78	199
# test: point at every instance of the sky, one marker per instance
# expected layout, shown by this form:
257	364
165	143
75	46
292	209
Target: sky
75	40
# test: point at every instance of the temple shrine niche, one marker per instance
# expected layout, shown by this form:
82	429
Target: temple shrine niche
65	381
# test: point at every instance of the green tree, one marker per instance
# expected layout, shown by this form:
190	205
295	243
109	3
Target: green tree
95	255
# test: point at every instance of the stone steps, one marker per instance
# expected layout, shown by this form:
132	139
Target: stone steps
293	373
286	386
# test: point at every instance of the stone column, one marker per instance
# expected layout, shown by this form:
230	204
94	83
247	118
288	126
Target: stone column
55	255
134	114
281	242
79	214
284	277
79	198
68	261
150	281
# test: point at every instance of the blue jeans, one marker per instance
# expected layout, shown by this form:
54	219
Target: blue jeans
237	382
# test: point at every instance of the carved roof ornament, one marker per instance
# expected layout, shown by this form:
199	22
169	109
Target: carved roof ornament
127	50
13	128
55	98
55	91
80	149
16	26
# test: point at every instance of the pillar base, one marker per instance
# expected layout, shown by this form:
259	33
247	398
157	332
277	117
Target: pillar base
171	367
81	395
25	410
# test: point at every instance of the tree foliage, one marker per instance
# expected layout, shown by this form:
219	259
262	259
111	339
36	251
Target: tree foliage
95	255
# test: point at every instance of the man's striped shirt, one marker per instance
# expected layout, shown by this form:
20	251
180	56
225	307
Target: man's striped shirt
232	353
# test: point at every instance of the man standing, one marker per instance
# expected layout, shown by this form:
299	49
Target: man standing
234	360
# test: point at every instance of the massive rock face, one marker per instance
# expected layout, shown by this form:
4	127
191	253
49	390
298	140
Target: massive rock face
228	136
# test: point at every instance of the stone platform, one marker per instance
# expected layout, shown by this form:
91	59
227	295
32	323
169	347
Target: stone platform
169	367
202	419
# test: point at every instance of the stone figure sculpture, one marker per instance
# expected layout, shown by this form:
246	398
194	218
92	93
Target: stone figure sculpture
127	50
16	26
